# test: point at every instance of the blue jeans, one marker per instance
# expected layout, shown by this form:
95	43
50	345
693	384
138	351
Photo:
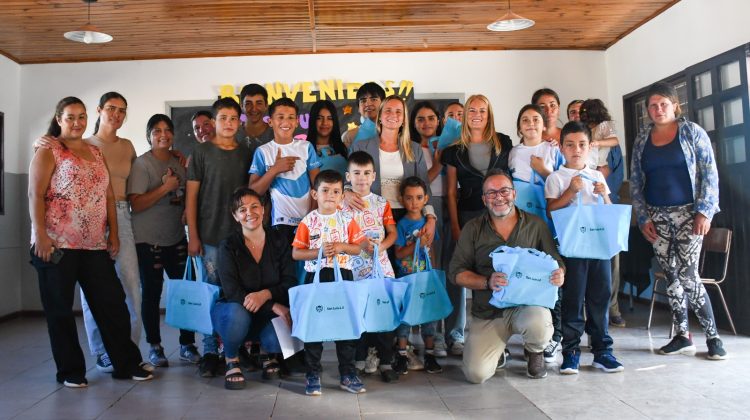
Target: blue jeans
211	260
232	322
428	330
587	282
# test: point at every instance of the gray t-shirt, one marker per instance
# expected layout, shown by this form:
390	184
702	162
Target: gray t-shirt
220	172
479	156
253	143
160	224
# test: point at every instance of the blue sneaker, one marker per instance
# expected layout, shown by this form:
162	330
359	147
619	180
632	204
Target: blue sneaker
570	363
313	385
351	383
608	363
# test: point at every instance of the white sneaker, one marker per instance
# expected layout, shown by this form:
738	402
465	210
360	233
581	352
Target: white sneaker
413	361
457	348
550	352
372	361
439	349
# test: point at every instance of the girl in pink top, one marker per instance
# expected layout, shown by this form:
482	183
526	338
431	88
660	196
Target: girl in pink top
71	204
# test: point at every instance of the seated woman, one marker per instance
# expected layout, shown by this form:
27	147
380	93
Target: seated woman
74	239
256	271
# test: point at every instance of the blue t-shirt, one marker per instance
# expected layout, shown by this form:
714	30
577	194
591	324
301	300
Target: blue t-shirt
406	228
667	178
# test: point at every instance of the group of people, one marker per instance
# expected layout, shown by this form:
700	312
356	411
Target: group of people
267	211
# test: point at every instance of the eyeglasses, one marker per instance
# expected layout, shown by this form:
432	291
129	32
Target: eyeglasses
502	192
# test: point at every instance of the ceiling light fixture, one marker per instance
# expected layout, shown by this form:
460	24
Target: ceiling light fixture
88	33
510	22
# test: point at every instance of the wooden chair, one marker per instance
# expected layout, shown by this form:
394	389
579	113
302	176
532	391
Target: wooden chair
718	241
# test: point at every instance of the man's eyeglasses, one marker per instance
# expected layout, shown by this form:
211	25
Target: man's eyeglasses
502	192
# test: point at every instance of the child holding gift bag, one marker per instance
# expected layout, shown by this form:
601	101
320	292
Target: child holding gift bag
588	280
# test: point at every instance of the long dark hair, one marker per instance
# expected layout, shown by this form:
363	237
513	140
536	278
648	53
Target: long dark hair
312	131
103	100
156	119
54	128
415	136
593	111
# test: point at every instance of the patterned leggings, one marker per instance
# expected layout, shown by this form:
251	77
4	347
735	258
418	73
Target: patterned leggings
677	251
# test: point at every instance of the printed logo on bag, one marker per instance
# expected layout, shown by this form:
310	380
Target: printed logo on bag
519	274
591	229
377	302
182	301
426	294
529	204
583	229
319	308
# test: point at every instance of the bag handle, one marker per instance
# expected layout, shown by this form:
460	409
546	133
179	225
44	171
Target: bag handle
337	277
415	258
188	273
599	198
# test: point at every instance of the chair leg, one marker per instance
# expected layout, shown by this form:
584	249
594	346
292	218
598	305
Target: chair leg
726	308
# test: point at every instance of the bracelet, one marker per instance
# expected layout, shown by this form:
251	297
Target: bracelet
487	284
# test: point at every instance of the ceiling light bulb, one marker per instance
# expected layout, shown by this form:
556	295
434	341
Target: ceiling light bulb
88	37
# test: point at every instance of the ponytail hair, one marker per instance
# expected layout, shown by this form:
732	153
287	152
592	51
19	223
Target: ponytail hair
102	101
54	129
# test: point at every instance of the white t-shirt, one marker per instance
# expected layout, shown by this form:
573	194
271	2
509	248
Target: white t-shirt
436	186
598	155
391	173
559	181
519	160
290	191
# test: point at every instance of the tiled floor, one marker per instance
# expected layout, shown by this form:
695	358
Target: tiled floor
652	386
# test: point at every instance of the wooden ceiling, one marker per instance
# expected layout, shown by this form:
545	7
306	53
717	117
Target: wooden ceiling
32	31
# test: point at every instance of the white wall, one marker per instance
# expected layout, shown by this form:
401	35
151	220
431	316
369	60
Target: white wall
687	33
11	250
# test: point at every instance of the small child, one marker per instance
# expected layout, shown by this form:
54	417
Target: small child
533	153
603	135
286	168
414	197
340	237
377	223
586	279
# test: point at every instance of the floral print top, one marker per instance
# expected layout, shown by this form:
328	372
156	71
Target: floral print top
76	200
701	164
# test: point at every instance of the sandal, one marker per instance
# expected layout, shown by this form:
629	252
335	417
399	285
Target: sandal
234	379
271	369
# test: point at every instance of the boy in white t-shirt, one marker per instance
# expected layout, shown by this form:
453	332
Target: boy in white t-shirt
586	280
286	167
378	225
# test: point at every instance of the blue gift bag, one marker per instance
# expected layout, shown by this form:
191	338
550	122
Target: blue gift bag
384	301
530	196
328	311
366	130
596	231
450	134
426	299
189	303
528	272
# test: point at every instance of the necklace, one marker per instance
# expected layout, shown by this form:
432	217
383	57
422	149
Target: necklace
253	245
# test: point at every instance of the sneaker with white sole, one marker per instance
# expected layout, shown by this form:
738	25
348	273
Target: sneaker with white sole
157	358
457	348
188	353
352	383
413	361
439	348
312	385
679	345
716	349
608	363
503	359
103	364
372	361
550	352
401	364
571	362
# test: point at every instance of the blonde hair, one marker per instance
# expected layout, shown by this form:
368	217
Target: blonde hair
489	135
404	139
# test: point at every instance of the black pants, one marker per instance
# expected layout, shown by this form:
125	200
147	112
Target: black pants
345	349
95	272
152	261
